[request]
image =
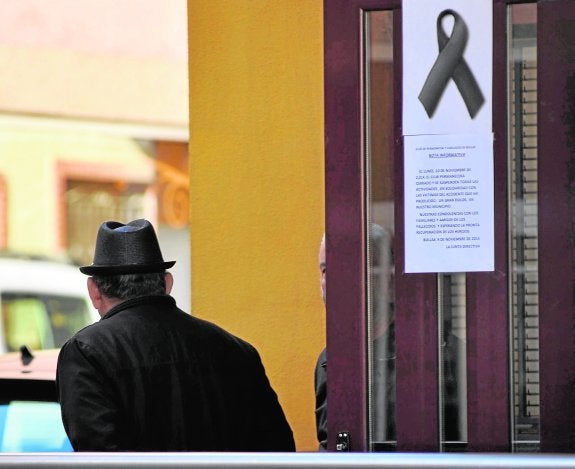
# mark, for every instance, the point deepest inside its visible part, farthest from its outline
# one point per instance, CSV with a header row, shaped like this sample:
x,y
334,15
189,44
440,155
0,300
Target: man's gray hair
x,y
128,286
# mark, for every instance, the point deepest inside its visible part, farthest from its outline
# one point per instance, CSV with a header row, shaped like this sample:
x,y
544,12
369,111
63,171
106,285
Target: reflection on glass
x,y
453,370
380,201
382,334
524,282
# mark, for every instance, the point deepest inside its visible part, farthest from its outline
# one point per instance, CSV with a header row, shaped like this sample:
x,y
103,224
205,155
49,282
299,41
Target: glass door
x,y
476,361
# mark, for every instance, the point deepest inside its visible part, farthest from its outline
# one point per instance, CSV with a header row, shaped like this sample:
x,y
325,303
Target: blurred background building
x,y
93,125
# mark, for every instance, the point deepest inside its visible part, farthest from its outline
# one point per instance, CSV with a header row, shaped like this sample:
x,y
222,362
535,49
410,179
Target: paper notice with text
x,y
449,203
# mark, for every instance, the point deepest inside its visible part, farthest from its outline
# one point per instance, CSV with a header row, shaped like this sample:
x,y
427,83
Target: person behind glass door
x,y
384,339
382,314
383,365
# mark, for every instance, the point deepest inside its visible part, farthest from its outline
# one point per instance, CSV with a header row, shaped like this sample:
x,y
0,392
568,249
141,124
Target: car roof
x,y
39,275
42,366
43,276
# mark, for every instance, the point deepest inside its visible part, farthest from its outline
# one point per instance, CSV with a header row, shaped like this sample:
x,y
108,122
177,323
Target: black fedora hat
x,y
126,249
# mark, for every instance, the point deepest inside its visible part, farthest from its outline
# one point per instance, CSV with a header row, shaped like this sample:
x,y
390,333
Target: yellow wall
x,y
256,185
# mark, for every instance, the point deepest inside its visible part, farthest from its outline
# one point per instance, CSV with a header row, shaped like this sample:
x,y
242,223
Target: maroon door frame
x,y
488,394
556,139
416,294
346,369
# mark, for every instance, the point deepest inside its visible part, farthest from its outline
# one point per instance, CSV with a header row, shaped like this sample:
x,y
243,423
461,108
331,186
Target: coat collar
x,y
155,300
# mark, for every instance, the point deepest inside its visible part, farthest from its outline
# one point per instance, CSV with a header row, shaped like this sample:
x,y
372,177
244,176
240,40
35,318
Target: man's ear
x,y
95,294
169,282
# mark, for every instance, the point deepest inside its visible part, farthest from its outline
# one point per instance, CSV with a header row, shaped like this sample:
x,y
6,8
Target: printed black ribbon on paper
x,y
451,64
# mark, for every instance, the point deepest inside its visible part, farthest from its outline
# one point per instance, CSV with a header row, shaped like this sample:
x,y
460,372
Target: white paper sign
x,y
447,66
449,203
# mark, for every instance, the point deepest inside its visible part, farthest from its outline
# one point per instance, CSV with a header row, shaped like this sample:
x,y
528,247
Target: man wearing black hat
x,y
149,377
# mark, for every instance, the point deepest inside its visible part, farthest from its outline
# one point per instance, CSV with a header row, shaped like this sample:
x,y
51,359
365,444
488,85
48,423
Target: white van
x,y
42,303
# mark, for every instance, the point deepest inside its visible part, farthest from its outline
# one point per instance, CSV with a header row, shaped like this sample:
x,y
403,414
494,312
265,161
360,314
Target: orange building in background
x,y
93,124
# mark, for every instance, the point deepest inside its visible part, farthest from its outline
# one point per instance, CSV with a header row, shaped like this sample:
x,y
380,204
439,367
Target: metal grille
x,y
89,204
524,247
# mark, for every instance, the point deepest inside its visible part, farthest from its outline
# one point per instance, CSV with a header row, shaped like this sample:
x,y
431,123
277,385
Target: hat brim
x,y
125,269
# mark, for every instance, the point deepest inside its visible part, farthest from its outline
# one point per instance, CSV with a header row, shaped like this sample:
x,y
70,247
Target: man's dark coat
x,y
149,377
320,381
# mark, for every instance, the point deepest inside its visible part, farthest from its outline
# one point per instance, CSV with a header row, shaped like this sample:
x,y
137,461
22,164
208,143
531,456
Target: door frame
x,y
416,294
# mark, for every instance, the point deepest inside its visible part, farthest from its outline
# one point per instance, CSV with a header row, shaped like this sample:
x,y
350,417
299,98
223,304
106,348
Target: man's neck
x,y
108,304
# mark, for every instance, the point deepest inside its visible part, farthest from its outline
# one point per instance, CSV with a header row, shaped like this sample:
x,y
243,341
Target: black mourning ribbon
x,y
451,64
